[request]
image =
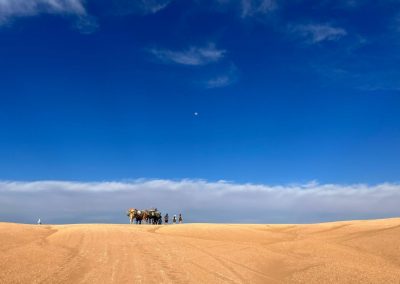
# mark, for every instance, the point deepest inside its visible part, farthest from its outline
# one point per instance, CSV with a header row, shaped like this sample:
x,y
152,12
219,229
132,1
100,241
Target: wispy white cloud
x,y
253,7
12,9
126,7
199,200
86,24
20,8
250,8
193,56
220,81
316,33
223,80
153,6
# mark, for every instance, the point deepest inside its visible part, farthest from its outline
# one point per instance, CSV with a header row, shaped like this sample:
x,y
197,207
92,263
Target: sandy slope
x,y
342,252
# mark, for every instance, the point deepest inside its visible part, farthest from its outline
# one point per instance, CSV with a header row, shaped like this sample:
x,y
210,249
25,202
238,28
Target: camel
x,y
154,216
139,216
151,216
131,214
146,216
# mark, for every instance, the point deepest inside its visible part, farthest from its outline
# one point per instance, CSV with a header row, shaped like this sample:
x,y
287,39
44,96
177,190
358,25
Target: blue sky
x,y
285,91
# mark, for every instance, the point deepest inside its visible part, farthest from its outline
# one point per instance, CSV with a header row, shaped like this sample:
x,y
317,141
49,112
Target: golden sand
x,y
340,252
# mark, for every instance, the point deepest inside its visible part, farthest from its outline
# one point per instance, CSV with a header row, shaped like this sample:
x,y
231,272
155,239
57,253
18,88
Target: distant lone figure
x,y
174,219
180,218
166,218
39,222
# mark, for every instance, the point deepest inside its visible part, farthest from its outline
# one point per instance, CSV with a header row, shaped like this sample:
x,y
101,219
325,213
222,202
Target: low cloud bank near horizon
x,y
198,200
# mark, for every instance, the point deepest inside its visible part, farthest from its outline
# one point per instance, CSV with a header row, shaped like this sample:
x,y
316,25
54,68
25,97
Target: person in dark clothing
x,y
180,218
166,218
174,219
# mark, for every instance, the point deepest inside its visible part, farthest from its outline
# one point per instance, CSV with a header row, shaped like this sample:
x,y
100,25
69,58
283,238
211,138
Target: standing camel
x,y
139,216
131,214
146,216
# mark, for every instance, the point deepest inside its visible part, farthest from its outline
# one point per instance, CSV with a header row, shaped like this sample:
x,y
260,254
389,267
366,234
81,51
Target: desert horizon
x,y
357,251
268,129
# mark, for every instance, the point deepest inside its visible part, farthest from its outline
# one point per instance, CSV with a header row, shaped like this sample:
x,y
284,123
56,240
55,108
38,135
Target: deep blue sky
x,y
286,91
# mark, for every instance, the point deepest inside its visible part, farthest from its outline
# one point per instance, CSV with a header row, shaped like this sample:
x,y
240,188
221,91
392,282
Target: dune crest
x,y
338,252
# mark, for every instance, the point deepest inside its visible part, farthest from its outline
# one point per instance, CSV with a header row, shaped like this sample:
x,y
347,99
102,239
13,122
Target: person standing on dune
x,y
180,218
174,219
166,218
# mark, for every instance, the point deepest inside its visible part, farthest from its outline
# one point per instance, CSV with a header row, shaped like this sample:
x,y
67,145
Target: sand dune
x,y
340,252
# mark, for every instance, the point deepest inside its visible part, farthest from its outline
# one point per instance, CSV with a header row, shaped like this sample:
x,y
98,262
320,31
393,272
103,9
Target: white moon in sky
x,y
196,113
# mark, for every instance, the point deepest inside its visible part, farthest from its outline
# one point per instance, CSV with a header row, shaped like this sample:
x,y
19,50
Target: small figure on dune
x,y
39,222
166,218
174,219
180,218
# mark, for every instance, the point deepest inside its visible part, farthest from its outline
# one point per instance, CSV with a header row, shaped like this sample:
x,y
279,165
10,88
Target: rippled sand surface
x,y
340,252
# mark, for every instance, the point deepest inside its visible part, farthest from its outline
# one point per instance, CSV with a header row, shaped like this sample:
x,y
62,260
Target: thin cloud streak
x,y
20,8
316,33
194,56
153,6
251,8
199,200
12,9
141,7
223,80
218,82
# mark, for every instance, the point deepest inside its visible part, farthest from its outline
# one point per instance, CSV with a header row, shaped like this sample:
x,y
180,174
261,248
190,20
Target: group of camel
x,y
151,216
